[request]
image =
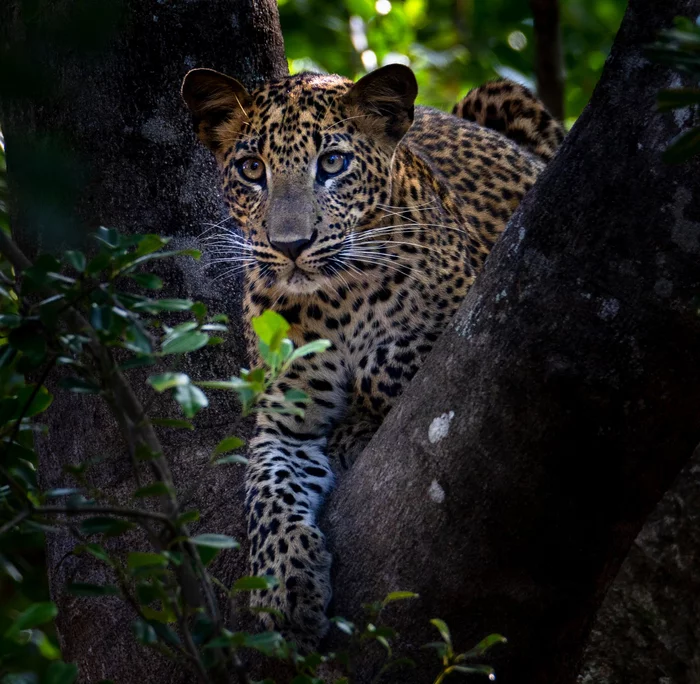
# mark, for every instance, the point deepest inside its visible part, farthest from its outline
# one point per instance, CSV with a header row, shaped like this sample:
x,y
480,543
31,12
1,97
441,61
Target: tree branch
x,y
549,65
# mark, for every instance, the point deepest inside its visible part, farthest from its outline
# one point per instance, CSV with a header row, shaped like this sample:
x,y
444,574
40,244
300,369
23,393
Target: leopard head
x,y
306,162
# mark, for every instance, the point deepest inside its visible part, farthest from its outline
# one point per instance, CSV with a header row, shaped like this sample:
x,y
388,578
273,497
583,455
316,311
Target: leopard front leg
x,y
287,479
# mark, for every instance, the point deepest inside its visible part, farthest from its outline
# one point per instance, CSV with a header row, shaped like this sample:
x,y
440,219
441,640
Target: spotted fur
x,y
514,111
375,258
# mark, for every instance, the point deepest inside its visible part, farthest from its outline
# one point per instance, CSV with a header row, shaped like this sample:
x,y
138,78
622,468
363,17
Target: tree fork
x,y
511,479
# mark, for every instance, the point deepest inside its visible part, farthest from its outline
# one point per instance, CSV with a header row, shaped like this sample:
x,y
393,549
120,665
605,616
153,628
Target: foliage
x,y
452,45
680,48
81,314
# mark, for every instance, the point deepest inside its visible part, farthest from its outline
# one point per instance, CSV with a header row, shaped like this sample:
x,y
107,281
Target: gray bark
x,y
512,478
648,629
96,132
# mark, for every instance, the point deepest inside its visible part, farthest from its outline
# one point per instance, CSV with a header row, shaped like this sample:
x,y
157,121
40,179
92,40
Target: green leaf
x,y
61,673
138,559
155,489
76,260
683,147
45,646
61,491
144,632
235,384
110,527
191,399
399,596
185,327
137,340
199,310
98,552
475,669
36,614
233,459
255,583
293,395
150,243
143,453
228,444
98,263
271,328
186,342
39,403
207,554
148,280
10,569
484,645
108,236
443,629
172,423
344,625
215,541
163,382
101,317
677,98
10,321
315,347
440,646
154,306
187,517
147,593
79,385
137,362
85,589
268,643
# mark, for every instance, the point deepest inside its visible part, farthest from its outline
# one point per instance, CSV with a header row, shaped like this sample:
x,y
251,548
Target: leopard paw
x,y
297,605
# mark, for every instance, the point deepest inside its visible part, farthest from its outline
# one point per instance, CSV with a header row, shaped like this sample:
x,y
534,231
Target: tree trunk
x,y
648,628
97,135
509,483
549,64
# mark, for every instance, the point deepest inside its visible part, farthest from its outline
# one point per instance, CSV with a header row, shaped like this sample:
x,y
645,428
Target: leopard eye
x,y
332,164
252,169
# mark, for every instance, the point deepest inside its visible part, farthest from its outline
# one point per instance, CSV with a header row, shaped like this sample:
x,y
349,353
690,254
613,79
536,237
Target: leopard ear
x,y
386,97
214,99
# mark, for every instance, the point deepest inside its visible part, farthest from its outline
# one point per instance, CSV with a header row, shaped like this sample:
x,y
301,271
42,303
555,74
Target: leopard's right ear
x,y
218,104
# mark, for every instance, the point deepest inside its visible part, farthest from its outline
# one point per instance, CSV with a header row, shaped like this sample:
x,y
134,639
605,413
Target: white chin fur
x,y
299,283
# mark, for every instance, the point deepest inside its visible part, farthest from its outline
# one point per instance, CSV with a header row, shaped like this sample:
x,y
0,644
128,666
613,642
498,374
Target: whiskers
x,y
227,247
357,254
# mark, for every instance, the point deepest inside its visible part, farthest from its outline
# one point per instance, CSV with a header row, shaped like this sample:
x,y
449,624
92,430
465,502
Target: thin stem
x,y
108,510
15,521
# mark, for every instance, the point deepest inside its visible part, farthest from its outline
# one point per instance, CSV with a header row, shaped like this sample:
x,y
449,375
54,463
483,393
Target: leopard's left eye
x,y
332,164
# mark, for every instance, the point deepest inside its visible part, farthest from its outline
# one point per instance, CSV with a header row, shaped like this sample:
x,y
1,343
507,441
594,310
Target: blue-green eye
x,y
331,164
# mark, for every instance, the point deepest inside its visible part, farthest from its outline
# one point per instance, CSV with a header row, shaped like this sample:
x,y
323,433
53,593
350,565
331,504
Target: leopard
x,y
363,219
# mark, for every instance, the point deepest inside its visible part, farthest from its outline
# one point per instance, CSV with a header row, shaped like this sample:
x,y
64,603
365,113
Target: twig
x,y
108,510
23,515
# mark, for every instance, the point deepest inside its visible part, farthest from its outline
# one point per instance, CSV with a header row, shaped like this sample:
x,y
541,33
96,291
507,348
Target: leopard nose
x,y
293,248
